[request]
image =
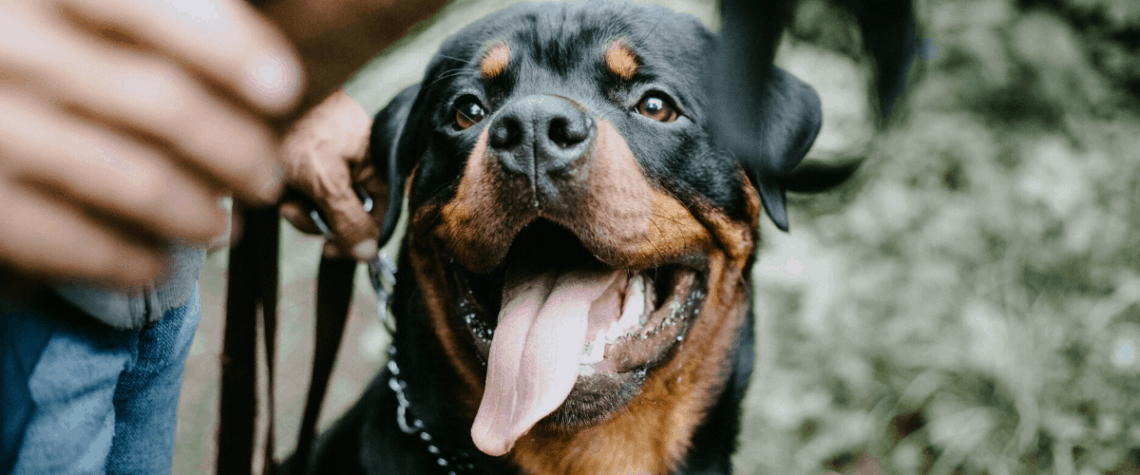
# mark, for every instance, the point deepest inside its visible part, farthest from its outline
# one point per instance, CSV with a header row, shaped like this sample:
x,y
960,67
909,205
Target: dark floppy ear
x,y
388,130
767,118
763,115
790,117
769,129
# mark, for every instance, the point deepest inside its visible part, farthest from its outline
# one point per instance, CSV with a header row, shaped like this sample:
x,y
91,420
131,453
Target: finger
x,y
376,187
43,238
356,232
298,216
226,40
332,251
237,224
228,237
328,185
155,98
103,171
318,153
144,93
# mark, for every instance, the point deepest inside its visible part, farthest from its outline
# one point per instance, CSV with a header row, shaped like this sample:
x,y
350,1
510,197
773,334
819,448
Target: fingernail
x,y
272,188
273,81
366,250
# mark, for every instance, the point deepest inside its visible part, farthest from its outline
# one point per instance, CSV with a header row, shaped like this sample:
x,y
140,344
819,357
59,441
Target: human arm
x,y
323,154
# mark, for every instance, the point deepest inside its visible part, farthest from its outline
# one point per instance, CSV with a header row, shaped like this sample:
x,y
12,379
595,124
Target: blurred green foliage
x,y
973,304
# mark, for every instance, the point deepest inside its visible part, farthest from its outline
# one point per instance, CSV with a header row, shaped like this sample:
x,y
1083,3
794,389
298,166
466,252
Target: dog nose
x,y
542,138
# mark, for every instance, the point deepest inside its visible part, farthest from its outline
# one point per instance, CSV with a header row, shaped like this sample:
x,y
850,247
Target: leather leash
x,y
252,286
334,295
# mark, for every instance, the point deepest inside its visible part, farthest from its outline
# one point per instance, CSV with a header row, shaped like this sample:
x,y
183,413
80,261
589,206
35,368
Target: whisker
x,y
453,58
446,75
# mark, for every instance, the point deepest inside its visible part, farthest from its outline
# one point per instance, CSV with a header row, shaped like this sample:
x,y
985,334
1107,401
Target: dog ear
x,y
388,150
790,116
769,132
767,118
763,115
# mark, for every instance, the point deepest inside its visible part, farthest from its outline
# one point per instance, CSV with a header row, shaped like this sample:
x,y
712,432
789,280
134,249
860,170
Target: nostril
x,y
505,133
567,133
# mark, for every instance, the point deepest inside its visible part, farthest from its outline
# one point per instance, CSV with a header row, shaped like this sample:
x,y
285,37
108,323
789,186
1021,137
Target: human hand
x,y
122,124
323,156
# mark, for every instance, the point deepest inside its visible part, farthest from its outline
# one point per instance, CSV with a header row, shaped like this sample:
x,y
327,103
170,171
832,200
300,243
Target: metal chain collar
x,y
455,463
382,273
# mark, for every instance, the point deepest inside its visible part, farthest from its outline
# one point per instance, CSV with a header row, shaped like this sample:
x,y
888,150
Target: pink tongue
x,y
534,356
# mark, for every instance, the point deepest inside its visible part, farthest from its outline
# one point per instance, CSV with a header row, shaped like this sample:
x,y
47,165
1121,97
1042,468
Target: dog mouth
x,y
566,338
630,326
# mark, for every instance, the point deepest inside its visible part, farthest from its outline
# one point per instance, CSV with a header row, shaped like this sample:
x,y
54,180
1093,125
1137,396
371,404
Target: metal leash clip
x,y
381,269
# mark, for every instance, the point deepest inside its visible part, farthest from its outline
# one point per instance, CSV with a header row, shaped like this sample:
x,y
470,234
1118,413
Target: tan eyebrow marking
x,y
621,59
495,60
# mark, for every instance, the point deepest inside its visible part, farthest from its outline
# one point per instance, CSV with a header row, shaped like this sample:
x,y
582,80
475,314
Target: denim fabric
x,y
23,337
100,400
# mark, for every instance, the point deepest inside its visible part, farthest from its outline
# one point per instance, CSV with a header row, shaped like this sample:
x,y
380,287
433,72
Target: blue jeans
x,y
78,398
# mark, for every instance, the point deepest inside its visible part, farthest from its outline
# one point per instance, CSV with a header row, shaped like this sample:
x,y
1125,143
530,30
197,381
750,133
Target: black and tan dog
x,y
573,293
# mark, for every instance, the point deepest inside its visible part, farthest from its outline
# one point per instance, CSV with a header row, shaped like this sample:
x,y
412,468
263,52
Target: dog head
x,y
580,246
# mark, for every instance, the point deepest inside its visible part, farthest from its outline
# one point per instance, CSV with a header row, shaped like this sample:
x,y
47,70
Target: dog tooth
x,y
613,332
634,304
597,349
650,297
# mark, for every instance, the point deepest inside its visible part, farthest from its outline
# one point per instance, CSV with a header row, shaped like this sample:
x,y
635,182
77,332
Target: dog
x,y
573,292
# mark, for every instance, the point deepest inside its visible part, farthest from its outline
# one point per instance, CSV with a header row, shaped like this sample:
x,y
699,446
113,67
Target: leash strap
x,y
268,250
334,296
252,285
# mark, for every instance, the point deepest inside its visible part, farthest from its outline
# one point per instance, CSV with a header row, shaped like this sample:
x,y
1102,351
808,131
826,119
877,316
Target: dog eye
x,y
658,108
468,112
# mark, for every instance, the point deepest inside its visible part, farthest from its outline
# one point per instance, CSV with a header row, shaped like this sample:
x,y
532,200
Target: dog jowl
x,y
574,287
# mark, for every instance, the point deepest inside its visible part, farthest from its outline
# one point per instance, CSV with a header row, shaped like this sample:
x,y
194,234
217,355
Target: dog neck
x,y
455,462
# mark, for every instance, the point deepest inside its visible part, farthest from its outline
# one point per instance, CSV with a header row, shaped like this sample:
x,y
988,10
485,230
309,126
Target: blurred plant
x,y
975,308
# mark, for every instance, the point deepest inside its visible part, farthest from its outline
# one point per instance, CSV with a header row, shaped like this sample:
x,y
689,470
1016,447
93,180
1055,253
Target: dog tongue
x,y
534,356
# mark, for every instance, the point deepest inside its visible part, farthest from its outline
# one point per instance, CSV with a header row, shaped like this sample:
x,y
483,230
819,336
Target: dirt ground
x,y
970,303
